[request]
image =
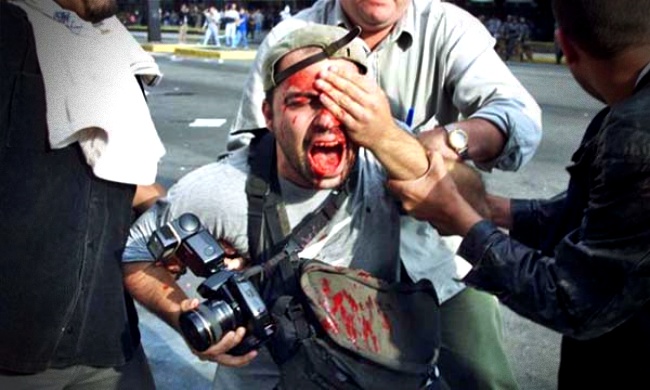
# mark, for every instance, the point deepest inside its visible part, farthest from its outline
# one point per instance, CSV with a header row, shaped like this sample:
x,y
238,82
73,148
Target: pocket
x,y
395,325
27,114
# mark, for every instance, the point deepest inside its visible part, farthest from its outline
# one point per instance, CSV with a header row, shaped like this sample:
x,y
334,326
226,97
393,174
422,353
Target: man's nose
x,y
325,120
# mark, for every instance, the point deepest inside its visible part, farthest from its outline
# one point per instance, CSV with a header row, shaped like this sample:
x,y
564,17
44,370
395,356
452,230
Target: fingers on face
x,y
356,80
339,112
343,106
342,89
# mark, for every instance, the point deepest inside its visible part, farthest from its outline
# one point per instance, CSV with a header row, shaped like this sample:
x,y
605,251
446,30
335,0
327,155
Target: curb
x,y
541,59
200,52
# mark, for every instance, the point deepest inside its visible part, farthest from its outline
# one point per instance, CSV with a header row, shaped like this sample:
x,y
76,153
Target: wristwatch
x,y
458,140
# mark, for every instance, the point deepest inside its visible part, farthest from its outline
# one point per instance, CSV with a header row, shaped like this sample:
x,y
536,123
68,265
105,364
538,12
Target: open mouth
x,y
326,156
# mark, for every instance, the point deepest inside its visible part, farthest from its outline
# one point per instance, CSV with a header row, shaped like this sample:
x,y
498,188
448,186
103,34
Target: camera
x,y
192,244
231,299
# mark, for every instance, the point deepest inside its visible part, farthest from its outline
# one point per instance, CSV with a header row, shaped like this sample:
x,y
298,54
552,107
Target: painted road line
x,y
208,122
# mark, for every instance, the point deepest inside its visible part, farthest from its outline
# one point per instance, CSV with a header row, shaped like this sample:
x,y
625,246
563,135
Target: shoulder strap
x,y
268,224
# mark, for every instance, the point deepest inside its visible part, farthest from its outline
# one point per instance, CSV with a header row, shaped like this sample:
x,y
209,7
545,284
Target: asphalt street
x,y
193,108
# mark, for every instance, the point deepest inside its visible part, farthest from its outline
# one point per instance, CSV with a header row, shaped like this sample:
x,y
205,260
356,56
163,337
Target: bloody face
x,y
313,149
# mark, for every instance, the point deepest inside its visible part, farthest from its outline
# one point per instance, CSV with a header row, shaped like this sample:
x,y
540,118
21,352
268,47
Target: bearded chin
x,y
98,10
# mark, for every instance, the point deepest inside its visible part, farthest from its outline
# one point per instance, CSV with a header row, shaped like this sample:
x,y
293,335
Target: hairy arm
x,y
146,195
444,196
503,119
156,289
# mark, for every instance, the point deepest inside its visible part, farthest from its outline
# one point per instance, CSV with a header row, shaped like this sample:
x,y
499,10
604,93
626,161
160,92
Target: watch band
x,y
454,131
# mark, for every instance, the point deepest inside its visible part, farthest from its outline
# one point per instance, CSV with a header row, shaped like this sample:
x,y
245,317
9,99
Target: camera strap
x,y
268,224
269,237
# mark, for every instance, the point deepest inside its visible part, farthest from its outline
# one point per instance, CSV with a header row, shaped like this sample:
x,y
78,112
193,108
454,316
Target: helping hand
x,y
217,353
232,261
435,140
435,198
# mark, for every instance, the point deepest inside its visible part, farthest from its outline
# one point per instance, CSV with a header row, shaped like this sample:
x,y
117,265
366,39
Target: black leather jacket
x,y
580,263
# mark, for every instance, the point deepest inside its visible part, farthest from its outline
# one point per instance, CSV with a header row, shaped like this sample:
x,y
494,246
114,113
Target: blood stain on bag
x,y
356,317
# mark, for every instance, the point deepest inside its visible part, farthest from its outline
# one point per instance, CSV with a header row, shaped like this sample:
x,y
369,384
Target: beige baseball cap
x,y
336,42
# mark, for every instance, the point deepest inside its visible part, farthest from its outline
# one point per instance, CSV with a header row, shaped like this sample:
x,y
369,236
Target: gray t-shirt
x,y
363,234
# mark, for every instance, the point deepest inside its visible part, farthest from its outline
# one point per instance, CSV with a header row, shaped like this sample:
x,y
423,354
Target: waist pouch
x,y
344,329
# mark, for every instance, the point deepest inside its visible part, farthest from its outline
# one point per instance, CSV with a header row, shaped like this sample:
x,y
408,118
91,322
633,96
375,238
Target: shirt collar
x,y
339,17
404,29
643,74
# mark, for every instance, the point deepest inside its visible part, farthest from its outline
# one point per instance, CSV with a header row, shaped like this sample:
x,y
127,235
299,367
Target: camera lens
x,y
205,325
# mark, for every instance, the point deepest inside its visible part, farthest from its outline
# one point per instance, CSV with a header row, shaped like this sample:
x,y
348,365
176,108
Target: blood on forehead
x,y
304,79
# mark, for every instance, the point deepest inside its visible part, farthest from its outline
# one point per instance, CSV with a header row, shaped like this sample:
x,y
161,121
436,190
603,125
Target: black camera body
x,y
194,246
231,299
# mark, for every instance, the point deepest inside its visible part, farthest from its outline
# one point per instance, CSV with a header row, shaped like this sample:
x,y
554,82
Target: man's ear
x,y
268,115
571,53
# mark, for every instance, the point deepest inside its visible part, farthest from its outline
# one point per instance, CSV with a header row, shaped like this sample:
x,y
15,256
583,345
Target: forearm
x,y
146,195
402,155
500,212
540,223
485,89
471,187
521,126
559,292
156,289
485,140
460,216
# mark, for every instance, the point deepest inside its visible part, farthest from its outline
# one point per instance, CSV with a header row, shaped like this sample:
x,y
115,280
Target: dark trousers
x,y
135,374
472,356
616,360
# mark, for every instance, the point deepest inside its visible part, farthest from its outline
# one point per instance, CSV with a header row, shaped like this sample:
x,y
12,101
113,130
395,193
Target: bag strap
x,y
268,224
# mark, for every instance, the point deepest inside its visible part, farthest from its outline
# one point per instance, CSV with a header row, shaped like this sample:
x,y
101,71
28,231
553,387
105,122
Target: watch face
x,y
458,139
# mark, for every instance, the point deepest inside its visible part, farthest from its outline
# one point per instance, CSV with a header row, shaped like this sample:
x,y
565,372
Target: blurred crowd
x,y
513,36
234,25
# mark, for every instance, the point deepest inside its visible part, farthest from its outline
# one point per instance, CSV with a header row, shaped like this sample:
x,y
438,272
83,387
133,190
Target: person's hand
x,y
232,261
436,140
173,265
359,103
218,353
500,210
435,198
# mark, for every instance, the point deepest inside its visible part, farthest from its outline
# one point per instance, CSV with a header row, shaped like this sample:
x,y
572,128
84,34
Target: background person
x,y
231,18
577,263
183,22
241,36
258,21
79,139
212,23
